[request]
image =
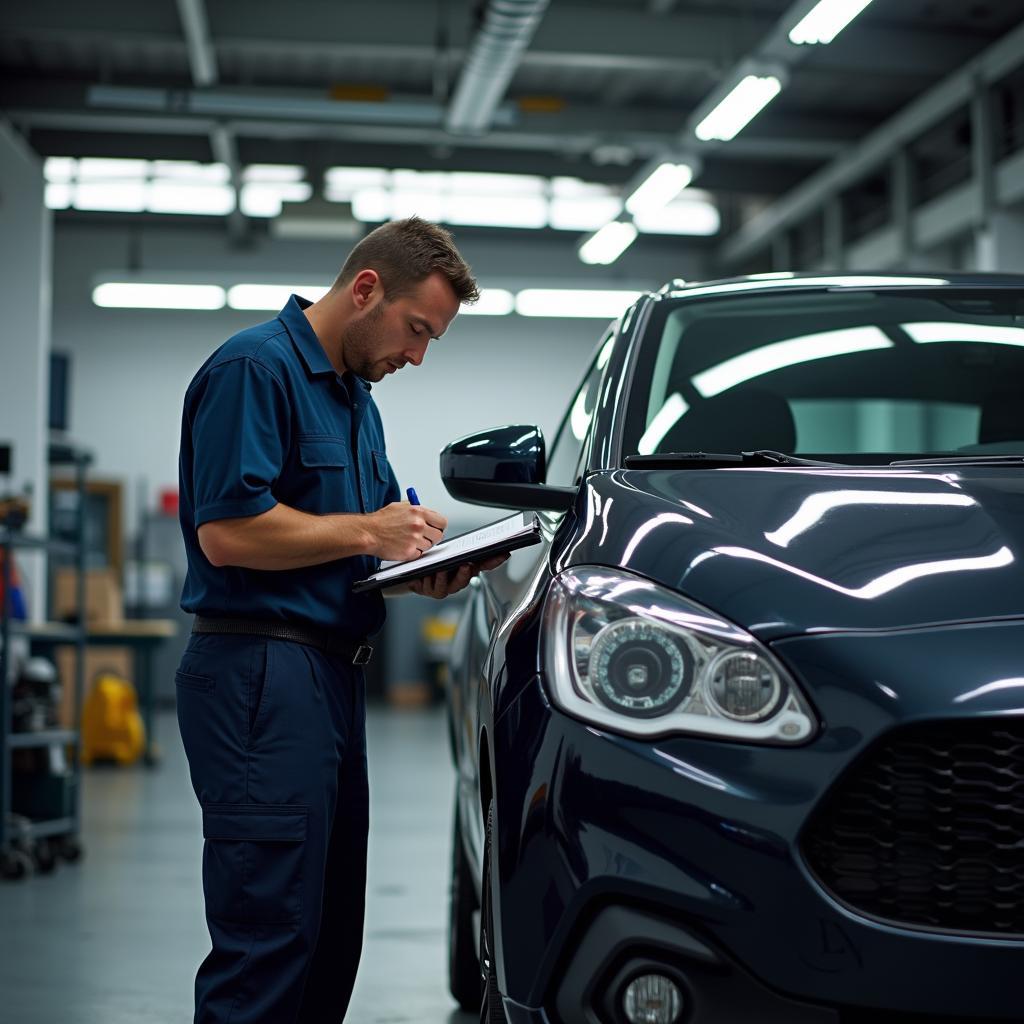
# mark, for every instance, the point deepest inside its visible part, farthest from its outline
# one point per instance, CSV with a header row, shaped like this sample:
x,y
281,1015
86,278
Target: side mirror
x,y
503,467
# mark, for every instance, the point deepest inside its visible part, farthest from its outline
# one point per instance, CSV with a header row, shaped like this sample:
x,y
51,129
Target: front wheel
x,y
463,937
491,1010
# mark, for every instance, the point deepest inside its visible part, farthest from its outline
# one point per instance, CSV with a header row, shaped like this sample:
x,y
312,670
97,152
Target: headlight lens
x,y
622,652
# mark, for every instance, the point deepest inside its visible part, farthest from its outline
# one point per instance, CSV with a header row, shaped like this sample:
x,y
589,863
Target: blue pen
x,y
413,498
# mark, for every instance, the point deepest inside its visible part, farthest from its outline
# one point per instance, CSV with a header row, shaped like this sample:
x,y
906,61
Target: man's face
x,y
389,335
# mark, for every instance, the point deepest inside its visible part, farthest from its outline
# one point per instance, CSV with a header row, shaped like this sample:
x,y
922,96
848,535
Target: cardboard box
x,y
117,660
104,600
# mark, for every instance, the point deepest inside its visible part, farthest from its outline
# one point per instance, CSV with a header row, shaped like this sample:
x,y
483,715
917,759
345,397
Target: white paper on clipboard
x,y
516,531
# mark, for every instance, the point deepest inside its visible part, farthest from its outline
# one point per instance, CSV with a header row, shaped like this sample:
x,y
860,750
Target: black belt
x,y
358,652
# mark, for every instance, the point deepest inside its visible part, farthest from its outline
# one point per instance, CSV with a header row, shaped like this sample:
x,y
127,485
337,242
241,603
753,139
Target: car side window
x,y
564,456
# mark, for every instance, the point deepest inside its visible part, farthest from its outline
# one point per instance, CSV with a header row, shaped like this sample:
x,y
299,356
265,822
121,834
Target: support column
x,y
999,246
902,206
25,255
983,162
782,252
835,242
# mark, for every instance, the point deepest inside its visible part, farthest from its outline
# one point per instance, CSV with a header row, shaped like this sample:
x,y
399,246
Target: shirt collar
x,y
306,342
304,337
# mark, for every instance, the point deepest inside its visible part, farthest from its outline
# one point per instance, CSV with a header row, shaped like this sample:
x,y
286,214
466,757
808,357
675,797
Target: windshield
x,y
852,376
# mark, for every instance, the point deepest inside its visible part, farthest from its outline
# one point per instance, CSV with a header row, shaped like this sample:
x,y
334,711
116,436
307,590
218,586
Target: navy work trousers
x,y
275,735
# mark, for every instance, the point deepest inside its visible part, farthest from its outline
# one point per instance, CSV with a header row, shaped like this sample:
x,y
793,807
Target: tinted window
x,y
565,456
854,374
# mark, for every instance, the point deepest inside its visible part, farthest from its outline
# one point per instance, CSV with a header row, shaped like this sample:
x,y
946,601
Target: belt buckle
x,y
363,654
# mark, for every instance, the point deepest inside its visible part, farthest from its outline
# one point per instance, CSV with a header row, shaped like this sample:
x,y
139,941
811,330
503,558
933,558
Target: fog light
x,y
652,999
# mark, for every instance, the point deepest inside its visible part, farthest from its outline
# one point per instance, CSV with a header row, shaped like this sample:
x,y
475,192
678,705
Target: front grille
x,y
927,829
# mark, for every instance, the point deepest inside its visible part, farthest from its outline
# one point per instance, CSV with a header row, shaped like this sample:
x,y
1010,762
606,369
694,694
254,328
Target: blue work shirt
x,y
268,419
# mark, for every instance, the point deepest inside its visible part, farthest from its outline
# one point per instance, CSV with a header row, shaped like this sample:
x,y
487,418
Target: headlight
x,y
622,652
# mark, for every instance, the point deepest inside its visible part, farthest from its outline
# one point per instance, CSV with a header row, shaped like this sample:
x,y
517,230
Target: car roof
x,y
781,282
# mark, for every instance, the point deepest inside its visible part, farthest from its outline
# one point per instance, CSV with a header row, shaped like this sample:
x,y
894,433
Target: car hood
x,y
784,551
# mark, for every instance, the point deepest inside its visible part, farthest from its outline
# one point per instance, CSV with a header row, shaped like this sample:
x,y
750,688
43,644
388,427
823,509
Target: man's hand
x,y
446,582
402,531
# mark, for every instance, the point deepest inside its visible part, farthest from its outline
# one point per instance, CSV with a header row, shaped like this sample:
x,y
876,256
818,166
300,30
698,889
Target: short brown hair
x,y
405,252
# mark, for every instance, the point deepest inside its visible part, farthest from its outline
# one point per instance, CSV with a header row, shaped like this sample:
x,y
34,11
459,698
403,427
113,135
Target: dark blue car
x,y
743,739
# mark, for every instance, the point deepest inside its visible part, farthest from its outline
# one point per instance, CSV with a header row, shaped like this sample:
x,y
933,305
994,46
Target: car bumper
x,y
700,839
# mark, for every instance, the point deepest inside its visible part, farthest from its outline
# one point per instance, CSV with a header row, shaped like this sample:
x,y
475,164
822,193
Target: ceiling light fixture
x,y
141,295
683,217
659,188
608,244
825,21
750,96
573,302
492,302
272,296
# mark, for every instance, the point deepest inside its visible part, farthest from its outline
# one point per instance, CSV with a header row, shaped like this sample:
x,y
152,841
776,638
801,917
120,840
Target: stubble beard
x,y
360,344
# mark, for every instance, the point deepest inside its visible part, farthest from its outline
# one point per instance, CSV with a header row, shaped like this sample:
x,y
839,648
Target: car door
x,y
479,669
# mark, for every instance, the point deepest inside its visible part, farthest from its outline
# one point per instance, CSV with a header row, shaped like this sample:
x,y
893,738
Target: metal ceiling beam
x,y
722,176
201,57
401,30
505,34
878,148
579,130
203,64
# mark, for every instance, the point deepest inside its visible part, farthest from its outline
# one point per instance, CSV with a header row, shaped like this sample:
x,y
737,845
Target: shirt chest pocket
x,y
325,481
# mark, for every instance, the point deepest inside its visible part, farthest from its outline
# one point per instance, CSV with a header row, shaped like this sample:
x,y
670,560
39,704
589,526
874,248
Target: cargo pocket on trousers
x,y
253,862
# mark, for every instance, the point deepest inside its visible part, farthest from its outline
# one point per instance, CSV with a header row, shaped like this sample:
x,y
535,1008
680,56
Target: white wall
x,y
130,368
25,236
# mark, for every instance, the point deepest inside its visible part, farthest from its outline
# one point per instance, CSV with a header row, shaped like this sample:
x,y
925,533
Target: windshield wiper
x,y
716,460
963,460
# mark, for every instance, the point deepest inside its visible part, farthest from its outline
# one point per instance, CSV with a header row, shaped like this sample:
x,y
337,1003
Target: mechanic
x,y
287,498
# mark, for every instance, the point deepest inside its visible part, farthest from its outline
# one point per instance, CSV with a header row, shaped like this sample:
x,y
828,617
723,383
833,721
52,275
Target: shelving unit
x,y
35,844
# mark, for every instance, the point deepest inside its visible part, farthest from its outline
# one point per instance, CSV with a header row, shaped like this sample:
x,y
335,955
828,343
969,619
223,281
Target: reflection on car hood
x,y
785,551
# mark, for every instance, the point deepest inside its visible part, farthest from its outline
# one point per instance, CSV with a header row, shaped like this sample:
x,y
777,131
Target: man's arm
x,y
285,538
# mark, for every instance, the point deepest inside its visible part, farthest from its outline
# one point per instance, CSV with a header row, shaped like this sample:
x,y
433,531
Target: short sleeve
x,y
240,422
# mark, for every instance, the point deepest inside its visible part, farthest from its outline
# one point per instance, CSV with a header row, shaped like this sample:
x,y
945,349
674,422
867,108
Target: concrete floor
x,y
116,938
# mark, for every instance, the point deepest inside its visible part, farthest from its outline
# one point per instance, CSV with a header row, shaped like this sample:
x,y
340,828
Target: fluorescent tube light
x,y
826,20
660,187
60,169
780,354
265,198
946,331
683,217
739,108
272,296
58,195
572,302
191,170
91,168
492,302
138,295
582,213
608,244
122,196
508,211
665,419
169,196
273,172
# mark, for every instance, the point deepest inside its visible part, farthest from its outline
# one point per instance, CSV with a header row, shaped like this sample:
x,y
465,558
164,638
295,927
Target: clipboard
x,y
517,531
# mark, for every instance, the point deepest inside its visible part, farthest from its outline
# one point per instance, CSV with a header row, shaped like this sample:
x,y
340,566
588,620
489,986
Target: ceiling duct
x,y
491,61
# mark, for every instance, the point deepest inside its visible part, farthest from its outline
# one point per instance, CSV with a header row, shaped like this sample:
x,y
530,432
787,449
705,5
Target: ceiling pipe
x,y
507,29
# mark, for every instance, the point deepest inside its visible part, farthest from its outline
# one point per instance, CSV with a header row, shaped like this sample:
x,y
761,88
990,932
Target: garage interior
x,y
171,171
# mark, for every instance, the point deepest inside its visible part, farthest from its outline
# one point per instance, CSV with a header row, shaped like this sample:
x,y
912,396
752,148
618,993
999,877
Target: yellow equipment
x,y
112,728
